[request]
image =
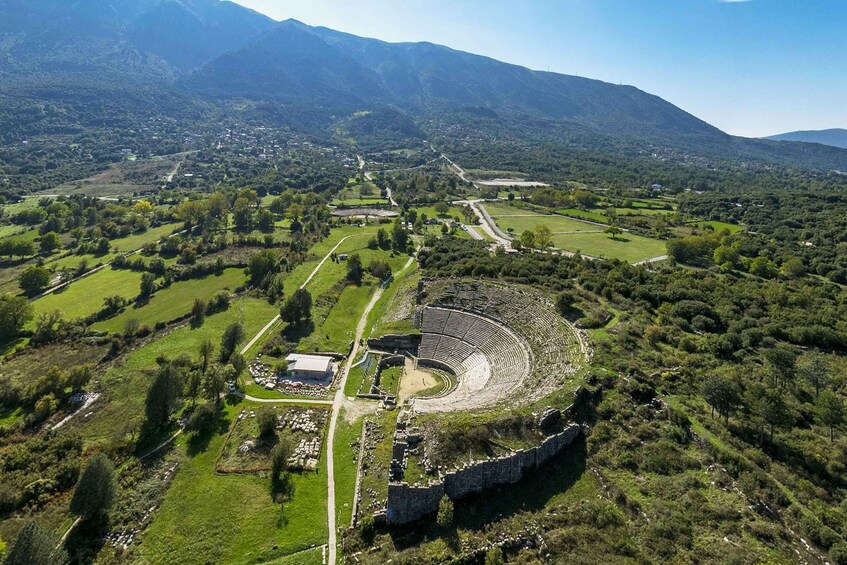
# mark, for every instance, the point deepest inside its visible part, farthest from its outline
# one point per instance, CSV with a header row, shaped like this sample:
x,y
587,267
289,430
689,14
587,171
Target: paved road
x,y
339,402
487,223
473,233
369,177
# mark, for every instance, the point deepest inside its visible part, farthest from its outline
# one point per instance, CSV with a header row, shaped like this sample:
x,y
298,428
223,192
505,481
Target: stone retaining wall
x,y
407,503
392,343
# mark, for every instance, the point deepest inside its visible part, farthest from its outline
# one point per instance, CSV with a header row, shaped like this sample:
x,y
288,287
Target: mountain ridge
x,y
833,137
315,78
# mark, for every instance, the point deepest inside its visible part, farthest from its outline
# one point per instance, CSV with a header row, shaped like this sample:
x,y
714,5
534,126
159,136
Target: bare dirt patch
x,y
415,380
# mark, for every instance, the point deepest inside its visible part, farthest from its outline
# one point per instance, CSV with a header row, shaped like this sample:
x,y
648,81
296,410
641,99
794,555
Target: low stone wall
x,y
385,361
392,343
407,503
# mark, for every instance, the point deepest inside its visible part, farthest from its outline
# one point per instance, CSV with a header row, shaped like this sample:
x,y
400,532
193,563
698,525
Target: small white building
x,y
315,367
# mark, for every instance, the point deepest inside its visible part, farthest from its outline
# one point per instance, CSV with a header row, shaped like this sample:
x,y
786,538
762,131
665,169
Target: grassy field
x,y
430,212
590,215
352,196
11,230
174,301
85,296
717,226
389,380
394,313
359,201
137,241
627,247
125,384
573,235
209,518
346,456
336,327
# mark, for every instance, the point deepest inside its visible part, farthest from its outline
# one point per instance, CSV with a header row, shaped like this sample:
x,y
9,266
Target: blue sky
x,y
753,68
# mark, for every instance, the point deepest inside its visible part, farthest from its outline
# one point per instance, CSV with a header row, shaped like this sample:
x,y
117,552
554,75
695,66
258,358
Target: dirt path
x,y
340,401
414,380
276,318
333,423
282,400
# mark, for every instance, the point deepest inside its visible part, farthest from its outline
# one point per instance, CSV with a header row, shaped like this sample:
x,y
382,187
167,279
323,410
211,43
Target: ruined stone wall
x,y
407,503
385,361
392,343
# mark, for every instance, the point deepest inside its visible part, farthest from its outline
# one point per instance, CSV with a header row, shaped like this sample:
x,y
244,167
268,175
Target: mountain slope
x,y
290,65
188,33
307,65
428,74
155,37
833,137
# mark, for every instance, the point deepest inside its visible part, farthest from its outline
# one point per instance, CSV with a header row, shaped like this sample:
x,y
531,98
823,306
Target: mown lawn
x,y
573,235
388,315
627,247
210,518
430,212
589,215
85,296
359,201
174,301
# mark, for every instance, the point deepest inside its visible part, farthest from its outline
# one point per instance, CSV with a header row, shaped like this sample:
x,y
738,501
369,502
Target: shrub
x,y
445,517
266,419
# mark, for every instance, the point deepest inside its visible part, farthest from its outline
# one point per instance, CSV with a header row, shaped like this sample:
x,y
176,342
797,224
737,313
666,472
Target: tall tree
x,y
355,271
260,266
34,280
445,517
242,215
198,313
782,362
543,237
148,285
813,367
399,236
722,394
297,308
206,351
772,409
233,335
35,545
279,466
163,394
830,409
214,383
15,312
50,242
95,490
